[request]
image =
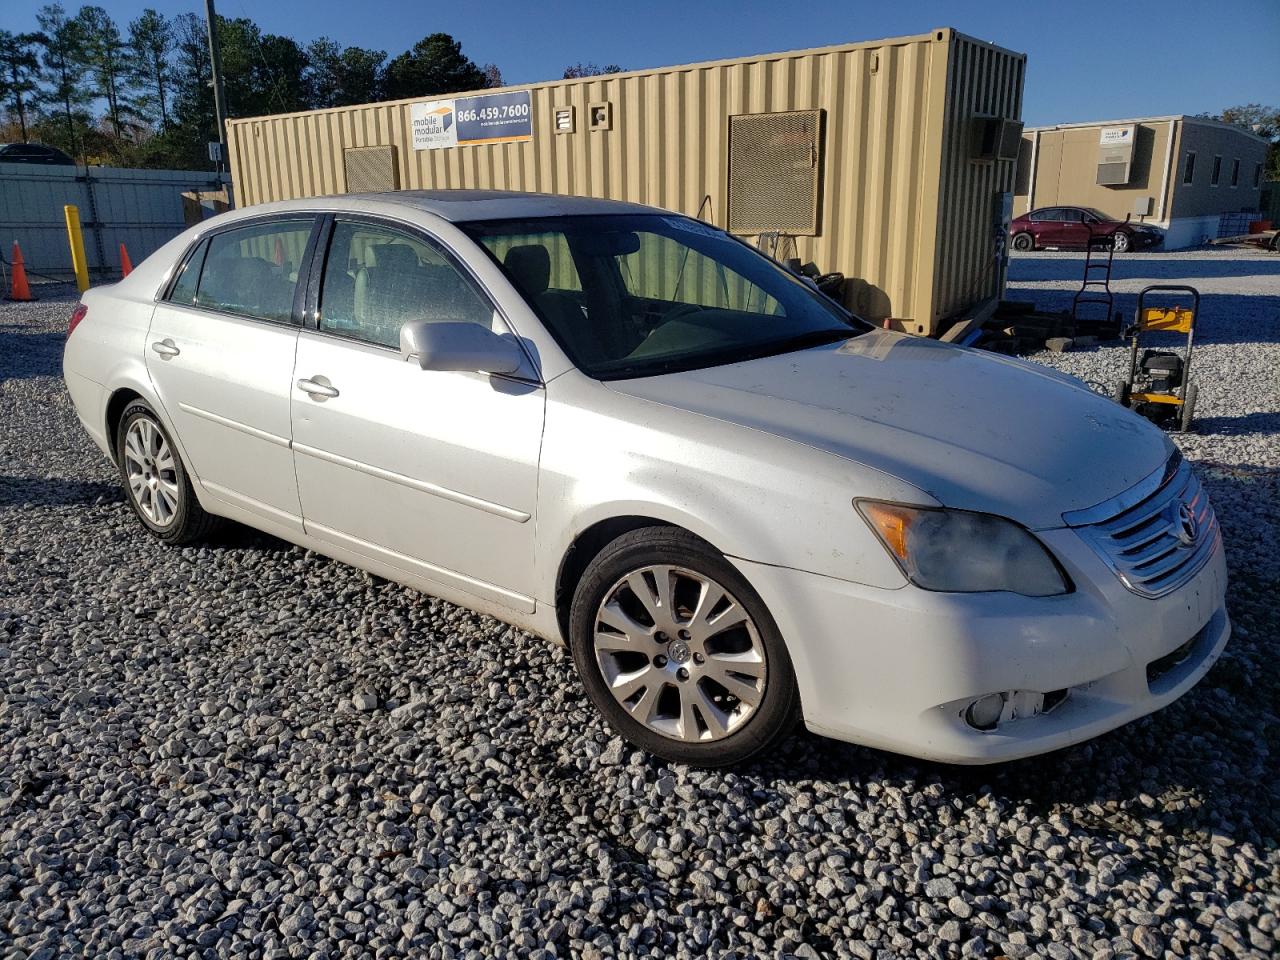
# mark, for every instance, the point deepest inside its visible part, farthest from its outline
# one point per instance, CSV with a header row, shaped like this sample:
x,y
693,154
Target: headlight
x,y
962,552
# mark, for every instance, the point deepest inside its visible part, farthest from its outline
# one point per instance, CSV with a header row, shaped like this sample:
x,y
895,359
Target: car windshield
x,y
640,295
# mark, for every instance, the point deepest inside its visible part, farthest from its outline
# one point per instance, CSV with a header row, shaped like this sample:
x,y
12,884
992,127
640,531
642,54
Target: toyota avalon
x,y
625,430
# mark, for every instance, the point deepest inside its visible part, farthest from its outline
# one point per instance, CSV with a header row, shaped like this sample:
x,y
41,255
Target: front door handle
x,y
166,348
318,388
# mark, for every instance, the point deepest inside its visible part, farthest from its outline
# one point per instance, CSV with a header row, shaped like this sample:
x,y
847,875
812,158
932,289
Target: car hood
x,y
973,430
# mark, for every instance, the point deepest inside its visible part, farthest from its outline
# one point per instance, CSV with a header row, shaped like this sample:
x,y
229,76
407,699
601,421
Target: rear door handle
x,y
315,388
166,348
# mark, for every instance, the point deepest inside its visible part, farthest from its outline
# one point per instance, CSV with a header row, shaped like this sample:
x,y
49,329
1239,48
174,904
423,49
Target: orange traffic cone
x,y
18,289
126,266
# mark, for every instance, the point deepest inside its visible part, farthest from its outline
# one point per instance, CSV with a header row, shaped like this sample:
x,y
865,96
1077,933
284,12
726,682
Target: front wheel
x,y
155,479
1023,241
1120,241
679,653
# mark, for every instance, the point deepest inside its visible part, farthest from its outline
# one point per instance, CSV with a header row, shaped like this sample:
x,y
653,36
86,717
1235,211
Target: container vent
x,y
775,172
371,169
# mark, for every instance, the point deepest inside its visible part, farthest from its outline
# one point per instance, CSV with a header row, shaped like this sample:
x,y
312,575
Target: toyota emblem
x,y
1187,528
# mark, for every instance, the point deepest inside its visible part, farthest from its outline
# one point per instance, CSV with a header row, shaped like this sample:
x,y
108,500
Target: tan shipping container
x,y
905,204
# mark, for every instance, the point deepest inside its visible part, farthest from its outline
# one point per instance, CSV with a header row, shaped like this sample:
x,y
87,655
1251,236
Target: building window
x,y
1235,172
1217,171
1257,176
1189,173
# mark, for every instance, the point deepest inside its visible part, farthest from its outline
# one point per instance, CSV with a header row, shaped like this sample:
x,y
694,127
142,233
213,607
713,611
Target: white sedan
x,y
625,430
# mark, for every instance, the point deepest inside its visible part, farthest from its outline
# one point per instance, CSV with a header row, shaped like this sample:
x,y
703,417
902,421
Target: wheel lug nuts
x,y
660,637
682,673
684,634
659,661
699,658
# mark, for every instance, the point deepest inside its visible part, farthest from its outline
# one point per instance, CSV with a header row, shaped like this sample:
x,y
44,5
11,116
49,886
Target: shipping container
x,y
890,161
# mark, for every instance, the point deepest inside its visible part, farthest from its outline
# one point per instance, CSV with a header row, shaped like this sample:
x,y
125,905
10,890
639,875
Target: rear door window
x,y
252,271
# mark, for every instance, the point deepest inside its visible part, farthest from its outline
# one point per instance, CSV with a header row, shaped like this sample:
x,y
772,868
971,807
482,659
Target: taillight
x,y
77,315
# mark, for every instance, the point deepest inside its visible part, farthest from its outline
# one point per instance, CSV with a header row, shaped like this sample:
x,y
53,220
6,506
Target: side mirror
x,y
458,345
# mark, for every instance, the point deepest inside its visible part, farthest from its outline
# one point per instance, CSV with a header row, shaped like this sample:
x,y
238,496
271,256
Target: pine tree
x,y
66,90
19,72
104,52
151,44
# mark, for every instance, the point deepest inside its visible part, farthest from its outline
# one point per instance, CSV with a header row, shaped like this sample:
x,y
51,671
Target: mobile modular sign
x,y
462,121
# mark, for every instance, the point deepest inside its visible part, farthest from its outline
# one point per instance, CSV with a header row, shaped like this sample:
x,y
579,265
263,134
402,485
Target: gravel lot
x,y
247,750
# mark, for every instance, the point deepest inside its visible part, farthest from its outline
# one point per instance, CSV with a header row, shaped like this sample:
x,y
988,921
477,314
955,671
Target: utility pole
x,y
219,95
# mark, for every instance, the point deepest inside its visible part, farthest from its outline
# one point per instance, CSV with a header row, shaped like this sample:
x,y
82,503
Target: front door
x,y
220,352
434,473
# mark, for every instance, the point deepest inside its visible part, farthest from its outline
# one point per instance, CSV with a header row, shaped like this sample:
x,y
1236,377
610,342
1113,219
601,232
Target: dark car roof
x,y
34,153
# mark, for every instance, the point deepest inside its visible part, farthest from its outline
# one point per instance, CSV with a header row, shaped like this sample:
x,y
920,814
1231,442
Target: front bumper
x,y
896,669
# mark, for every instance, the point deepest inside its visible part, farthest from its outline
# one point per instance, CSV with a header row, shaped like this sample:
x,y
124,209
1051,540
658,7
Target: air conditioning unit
x,y
995,138
1115,155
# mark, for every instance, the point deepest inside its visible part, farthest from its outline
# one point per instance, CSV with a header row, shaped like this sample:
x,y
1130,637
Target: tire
x,y
1188,408
660,691
1024,241
1121,242
155,479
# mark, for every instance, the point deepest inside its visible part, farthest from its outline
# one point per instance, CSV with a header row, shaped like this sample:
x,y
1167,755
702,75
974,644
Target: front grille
x,y
1157,536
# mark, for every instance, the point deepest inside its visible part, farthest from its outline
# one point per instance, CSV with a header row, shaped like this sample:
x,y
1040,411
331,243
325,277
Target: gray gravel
x,y
246,750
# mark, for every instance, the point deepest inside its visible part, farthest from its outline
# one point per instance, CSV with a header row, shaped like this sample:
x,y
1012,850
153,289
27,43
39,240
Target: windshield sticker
x,y
693,226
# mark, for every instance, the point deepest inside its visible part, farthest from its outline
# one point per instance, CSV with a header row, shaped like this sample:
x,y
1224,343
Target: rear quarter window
x,y
184,287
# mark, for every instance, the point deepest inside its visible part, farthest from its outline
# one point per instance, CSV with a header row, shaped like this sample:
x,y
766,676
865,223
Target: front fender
x,y
752,495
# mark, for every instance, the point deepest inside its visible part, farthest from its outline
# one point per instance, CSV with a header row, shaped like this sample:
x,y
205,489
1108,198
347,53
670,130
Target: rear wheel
x,y
155,479
678,653
1023,241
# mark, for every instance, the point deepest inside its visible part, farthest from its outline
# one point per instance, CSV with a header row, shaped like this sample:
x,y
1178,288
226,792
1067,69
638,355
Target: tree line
x,y
141,95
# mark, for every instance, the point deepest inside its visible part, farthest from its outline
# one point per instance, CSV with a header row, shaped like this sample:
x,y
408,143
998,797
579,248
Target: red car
x,y
1064,227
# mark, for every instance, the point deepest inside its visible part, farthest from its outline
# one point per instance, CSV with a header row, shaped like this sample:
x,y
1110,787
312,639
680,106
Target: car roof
x,y
460,206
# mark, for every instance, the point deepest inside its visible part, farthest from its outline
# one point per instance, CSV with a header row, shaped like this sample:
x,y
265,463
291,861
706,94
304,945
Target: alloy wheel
x,y
680,653
152,472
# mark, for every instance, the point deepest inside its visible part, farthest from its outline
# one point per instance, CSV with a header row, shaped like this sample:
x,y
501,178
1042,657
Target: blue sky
x,y
1088,60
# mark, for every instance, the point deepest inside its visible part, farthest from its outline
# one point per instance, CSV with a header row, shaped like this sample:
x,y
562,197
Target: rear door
x,y
220,352
434,473
1046,224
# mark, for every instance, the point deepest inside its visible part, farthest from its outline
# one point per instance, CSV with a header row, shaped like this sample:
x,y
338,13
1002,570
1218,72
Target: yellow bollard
x,y
76,239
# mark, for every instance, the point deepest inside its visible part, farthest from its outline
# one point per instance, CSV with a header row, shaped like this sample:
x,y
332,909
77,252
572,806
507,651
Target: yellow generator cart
x,y
1159,384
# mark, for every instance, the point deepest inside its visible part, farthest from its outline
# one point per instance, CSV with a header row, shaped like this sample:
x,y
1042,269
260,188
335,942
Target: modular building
x,y
890,161
1178,173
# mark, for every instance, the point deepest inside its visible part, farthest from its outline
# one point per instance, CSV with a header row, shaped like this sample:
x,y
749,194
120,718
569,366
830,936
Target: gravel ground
x,y
247,750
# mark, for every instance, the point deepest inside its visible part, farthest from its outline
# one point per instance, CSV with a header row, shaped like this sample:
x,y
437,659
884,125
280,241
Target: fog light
x,y
984,713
